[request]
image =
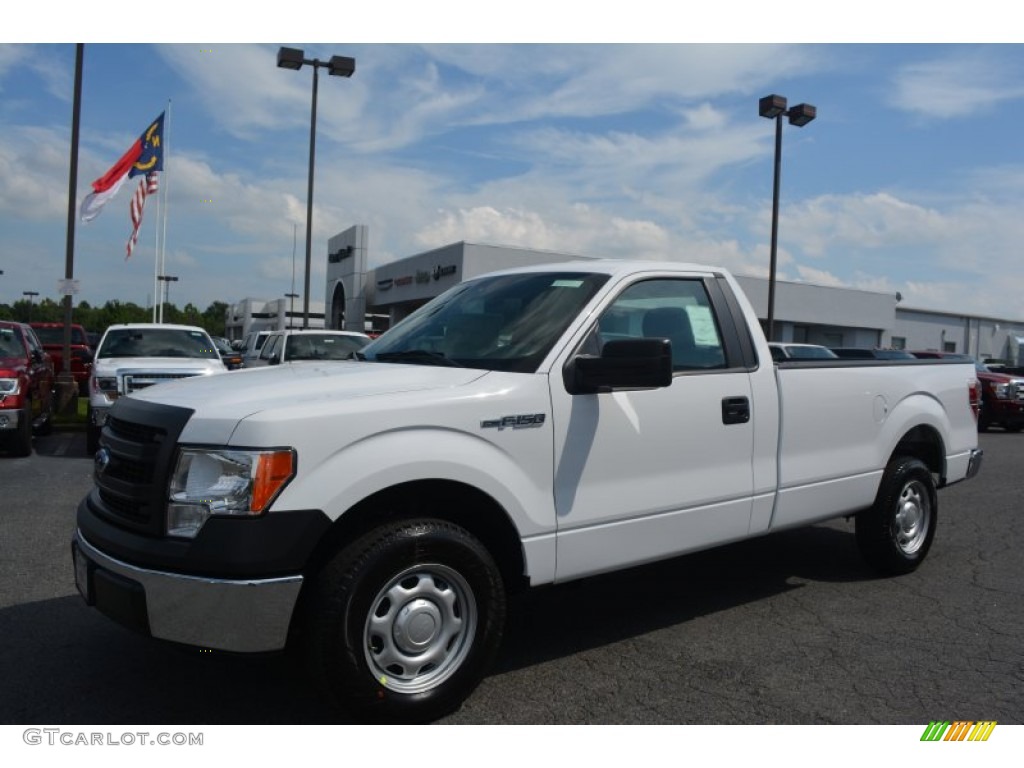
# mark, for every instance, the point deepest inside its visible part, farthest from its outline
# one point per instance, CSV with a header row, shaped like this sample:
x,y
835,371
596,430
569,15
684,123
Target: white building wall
x,y
981,337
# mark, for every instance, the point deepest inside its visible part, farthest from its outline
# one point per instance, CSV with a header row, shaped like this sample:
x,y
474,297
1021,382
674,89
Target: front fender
x,y
392,458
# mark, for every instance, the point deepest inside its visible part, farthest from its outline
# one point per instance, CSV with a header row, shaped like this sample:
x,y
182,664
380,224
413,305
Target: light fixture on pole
x,y
166,280
31,295
774,108
339,66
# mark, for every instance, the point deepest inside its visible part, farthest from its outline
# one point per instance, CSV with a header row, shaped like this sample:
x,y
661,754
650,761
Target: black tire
x,y
895,534
45,427
22,440
403,623
984,419
1016,427
92,434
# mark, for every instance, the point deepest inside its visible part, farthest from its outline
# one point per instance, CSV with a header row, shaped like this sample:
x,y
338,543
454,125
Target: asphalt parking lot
x,y
791,628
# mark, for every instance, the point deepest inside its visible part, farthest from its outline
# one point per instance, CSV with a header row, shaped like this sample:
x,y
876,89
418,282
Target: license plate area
x,y
83,575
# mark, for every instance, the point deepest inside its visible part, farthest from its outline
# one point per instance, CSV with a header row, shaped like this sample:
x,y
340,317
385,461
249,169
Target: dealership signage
x,y
422,277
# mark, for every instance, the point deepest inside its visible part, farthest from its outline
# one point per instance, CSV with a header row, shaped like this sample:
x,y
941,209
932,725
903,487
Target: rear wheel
x,y
895,534
403,623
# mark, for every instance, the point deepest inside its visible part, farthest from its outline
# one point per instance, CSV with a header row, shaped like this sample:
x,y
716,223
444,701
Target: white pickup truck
x,y
527,427
132,356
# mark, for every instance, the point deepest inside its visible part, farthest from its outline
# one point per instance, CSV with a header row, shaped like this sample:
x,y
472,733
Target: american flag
x,y
147,186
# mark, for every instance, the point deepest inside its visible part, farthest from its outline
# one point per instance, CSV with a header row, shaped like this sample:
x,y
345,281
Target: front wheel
x,y
23,437
895,534
92,434
403,623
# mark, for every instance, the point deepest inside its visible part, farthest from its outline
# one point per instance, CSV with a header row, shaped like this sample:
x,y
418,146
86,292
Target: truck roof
x,y
612,267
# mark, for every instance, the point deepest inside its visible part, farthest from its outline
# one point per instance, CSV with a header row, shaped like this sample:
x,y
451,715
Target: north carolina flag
x,y
145,156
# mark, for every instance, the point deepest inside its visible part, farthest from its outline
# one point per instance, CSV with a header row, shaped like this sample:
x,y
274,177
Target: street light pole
x,y
166,280
31,295
774,107
342,66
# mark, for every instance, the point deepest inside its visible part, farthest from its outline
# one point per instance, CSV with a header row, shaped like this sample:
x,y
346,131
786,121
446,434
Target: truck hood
x,y
111,365
233,396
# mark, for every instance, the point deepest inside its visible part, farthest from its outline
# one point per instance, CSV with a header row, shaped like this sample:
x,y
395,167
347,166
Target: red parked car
x,y
52,337
26,388
1002,395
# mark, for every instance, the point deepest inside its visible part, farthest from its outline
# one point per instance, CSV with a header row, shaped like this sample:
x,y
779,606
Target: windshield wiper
x,y
417,356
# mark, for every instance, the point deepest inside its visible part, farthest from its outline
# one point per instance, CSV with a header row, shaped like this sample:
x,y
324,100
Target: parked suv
x,y
52,337
1002,395
133,356
26,387
252,345
872,353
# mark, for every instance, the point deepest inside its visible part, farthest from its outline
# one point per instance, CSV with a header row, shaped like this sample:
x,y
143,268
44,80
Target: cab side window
x,y
675,309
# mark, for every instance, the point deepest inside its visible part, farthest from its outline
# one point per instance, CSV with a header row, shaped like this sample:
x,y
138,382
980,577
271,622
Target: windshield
x,y
157,342
10,345
500,323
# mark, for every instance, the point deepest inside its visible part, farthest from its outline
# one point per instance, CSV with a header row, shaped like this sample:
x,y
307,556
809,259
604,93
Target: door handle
x,y
735,410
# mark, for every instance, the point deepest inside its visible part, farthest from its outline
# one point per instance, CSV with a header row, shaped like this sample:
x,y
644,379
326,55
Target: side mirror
x,y
623,364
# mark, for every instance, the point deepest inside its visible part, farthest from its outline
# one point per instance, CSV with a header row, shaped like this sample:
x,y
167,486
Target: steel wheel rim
x,y
419,628
913,517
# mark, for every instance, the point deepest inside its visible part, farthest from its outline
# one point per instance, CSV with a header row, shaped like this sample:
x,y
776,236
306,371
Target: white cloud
x,y
962,85
33,173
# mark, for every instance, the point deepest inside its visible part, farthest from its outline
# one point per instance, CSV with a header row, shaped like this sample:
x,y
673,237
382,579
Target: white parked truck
x,y
133,356
527,427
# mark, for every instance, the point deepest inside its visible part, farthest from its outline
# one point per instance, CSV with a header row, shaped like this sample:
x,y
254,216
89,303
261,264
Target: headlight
x,y
1002,391
209,482
107,385
9,387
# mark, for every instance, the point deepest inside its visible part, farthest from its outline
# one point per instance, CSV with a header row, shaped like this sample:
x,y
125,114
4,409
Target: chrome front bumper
x,y
243,616
9,418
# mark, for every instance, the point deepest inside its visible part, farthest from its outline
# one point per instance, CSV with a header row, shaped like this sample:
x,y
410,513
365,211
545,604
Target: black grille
x,y
124,508
135,462
139,433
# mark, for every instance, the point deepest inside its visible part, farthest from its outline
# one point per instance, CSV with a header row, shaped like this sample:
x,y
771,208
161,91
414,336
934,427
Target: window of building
x,y
949,346
899,342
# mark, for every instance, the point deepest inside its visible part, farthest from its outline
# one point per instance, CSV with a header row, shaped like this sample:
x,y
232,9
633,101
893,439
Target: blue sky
x,y
910,180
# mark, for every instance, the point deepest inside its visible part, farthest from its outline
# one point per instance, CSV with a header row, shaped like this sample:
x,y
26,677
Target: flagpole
x,y
166,205
156,258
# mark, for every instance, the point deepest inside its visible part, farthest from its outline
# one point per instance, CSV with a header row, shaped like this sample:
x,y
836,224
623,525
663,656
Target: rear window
x,y
54,335
315,346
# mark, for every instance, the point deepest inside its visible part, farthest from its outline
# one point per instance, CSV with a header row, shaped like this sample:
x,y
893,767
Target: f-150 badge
x,y
522,421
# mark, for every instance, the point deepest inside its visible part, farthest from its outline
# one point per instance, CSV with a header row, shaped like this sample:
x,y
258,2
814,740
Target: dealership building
x,y
357,298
